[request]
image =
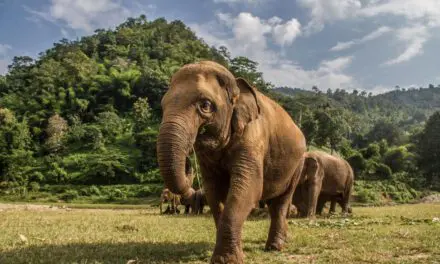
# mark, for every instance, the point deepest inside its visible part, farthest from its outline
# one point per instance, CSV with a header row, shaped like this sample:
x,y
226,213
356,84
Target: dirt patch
x,y
28,207
433,198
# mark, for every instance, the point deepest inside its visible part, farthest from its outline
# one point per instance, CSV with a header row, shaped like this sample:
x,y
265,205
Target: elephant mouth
x,y
208,138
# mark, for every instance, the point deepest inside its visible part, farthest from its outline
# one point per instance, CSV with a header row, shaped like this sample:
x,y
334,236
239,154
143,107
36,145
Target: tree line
x,y
87,112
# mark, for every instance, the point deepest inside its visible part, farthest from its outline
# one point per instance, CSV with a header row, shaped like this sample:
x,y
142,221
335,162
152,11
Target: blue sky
x,y
371,45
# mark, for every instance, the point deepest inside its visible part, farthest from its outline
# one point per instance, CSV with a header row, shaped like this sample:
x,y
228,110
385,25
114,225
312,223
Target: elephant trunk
x,y
173,146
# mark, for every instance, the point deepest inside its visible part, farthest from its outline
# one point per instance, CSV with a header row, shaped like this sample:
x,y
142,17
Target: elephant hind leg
x,y
344,203
278,210
320,206
333,206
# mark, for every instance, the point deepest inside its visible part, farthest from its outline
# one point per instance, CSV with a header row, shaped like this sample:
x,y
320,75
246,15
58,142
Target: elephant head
x,y
204,106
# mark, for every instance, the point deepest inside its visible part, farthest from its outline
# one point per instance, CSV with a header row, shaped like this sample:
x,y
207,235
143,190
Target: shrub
x,y
110,125
36,176
69,195
146,142
93,190
144,192
358,163
383,171
116,194
93,137
371,152
34,186
368,196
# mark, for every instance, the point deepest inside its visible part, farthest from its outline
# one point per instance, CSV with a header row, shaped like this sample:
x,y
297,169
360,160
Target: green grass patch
x,y
392,234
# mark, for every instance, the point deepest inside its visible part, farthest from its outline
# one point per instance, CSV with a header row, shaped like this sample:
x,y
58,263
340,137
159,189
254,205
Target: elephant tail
x,y
349,182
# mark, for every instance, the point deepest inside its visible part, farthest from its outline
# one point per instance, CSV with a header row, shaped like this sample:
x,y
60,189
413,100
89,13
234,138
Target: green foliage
x,y
386,130
383,171
400,159
428,149
142,114
368,196
358,163
381,192
88,111
34,186
371,152
69,195
16,159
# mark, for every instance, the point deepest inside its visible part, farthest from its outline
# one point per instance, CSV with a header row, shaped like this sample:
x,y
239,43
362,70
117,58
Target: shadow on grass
x,y
110,253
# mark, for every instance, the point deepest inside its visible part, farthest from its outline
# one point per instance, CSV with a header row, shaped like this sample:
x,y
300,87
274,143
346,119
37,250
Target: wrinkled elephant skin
x,y
247,146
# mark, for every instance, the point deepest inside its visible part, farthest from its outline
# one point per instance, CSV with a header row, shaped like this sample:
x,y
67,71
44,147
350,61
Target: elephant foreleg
x,y
314,189
243,193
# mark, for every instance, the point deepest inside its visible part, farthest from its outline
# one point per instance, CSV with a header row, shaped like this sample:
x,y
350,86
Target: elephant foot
x,y
276,244
229,258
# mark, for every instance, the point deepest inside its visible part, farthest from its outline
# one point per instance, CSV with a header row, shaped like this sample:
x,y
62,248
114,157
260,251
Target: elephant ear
x,y
246,107
311,167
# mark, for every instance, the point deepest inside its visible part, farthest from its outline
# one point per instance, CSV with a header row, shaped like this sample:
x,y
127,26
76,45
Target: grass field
x,y
394,234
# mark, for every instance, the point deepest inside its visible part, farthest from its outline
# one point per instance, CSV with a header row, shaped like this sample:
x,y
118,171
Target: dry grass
x,y
397,234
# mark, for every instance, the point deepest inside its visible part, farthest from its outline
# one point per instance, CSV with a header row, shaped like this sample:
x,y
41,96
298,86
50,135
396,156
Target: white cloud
x,y
378,89
425,14
373,35
414,39
235,1
250,30
65,33
325,11
3,66
250,38
87,15
285,34
329,74
4,49
413,10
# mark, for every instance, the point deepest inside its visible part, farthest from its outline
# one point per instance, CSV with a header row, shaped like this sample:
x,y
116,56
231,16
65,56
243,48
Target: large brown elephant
x,y
247,146
324,178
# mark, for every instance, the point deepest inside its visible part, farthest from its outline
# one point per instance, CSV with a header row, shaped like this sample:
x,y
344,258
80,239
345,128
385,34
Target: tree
x,y
55,131
428,148
248,69
15,152
141,114
385,130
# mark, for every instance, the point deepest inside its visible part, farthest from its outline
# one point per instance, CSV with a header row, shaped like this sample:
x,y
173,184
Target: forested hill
x,y
87,111
421,98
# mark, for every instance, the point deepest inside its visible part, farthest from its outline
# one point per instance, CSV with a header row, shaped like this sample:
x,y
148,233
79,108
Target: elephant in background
x,y
200,201
247,145
324,178
174,200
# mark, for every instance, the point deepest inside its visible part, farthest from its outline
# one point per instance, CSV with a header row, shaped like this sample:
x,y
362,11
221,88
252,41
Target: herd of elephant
x,y
325,178
250,152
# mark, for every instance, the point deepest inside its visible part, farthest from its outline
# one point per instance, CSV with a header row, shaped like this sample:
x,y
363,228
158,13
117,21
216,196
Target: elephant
x,y
324,178
174,200
200,202
247,145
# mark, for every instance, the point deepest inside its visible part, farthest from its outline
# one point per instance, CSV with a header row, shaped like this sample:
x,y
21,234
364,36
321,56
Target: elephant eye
x,y
206,106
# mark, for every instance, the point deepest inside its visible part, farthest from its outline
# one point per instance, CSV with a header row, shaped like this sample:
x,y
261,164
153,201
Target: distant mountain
x,y
422,98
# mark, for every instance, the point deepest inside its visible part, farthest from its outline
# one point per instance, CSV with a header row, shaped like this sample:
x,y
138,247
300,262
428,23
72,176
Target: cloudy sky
x,y
364,44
